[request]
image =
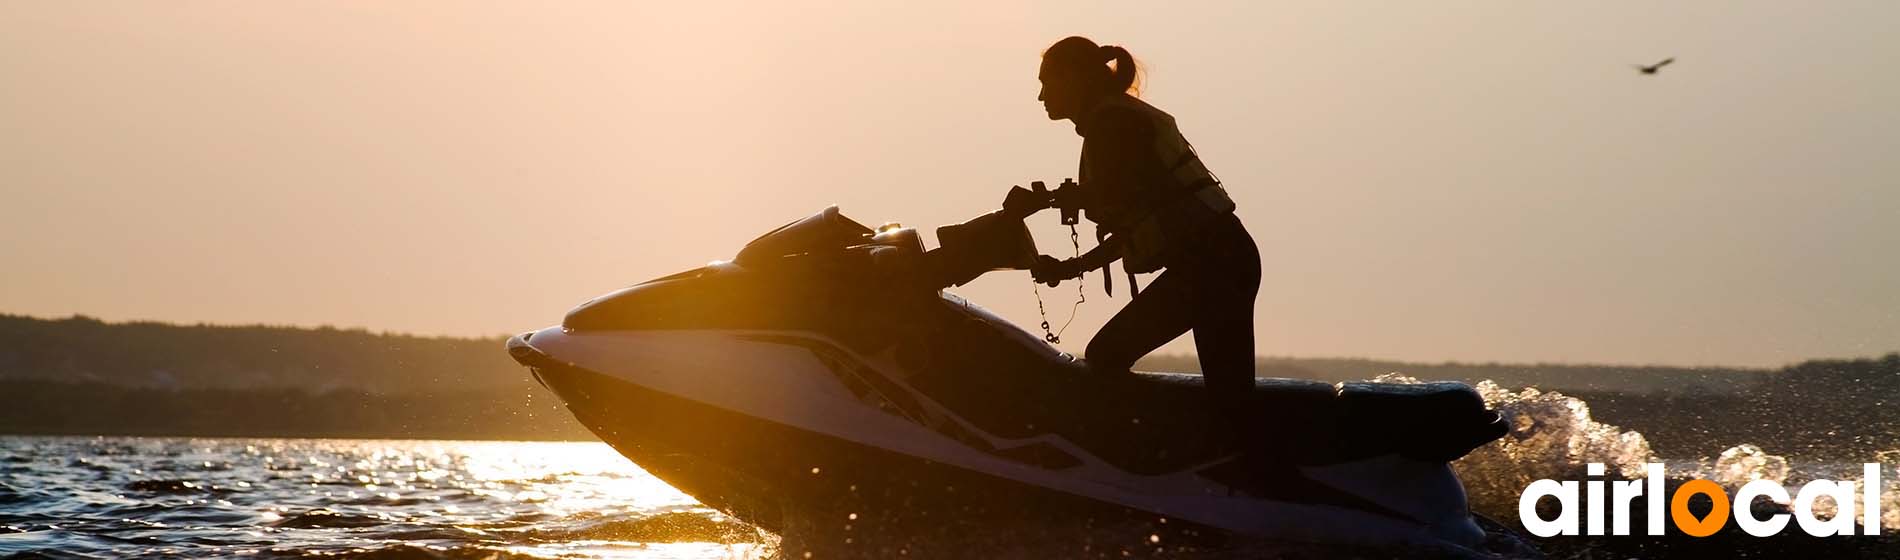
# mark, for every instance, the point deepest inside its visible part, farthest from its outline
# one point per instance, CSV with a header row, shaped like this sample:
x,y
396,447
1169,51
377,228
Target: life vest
x,y
1153,216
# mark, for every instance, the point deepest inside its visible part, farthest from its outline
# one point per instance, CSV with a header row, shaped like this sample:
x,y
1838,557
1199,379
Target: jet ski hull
x,y
802,462
790,480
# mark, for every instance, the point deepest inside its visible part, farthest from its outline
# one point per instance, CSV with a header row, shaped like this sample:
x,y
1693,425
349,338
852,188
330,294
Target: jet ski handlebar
x,y
994,241
1020,203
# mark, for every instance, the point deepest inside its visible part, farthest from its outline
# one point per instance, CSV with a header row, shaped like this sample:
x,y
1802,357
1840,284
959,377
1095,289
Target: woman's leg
x,y
1223,326
1163,312
1212,293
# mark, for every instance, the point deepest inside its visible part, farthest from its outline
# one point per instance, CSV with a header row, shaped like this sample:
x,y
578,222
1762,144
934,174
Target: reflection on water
x,y
271,498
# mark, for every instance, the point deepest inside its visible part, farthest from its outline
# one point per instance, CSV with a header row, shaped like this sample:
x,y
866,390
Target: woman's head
x,y
1076,72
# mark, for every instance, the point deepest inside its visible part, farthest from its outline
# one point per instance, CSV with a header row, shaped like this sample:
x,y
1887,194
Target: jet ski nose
x,y
526,354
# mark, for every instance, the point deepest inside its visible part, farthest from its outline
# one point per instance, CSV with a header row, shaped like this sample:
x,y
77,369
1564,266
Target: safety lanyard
x,y
1081,296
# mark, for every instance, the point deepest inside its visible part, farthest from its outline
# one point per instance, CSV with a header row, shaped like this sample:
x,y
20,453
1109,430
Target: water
x,y
1553,437
112,497
78,497
91,497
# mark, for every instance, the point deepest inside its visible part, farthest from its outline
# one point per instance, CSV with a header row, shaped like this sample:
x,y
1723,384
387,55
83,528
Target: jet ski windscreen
x,y
828,229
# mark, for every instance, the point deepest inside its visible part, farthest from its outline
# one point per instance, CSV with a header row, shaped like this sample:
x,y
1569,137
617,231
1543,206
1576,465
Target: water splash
x,y
1747,463
1744,463
1554,437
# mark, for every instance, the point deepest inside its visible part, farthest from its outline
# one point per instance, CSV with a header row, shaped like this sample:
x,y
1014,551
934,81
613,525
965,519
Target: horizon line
x,y
1258,357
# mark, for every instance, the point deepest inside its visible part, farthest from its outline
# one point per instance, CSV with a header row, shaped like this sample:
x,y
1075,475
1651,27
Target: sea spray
x,y
1747,463
1554,437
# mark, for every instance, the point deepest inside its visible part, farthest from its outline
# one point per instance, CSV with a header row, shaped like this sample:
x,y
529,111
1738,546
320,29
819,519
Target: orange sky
x,y
1427,181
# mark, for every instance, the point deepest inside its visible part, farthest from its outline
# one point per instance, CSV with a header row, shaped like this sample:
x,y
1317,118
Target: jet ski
x,y
825,378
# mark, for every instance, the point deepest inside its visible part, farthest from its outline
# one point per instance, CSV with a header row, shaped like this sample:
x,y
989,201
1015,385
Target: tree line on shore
x,y
84,376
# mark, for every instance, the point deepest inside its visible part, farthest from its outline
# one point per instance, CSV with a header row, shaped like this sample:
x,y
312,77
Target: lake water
x,y
86,497
112,497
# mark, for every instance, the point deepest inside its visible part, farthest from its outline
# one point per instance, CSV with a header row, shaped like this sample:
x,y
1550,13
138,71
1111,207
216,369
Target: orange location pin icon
x,y
1679,508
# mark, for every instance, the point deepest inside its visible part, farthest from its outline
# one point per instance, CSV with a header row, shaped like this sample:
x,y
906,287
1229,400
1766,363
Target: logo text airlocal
x,y
1622,492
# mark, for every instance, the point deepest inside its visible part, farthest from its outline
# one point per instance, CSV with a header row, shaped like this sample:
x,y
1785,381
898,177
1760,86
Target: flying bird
x,y
1651,69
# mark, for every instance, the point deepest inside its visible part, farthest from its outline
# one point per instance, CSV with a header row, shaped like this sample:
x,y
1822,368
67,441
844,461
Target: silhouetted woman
x,y
1160,208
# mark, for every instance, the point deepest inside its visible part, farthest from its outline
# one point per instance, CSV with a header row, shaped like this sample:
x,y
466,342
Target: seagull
x,y
1651,69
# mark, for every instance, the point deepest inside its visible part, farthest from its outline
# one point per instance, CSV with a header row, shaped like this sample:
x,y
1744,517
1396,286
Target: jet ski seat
x,y
1161,421
1438,421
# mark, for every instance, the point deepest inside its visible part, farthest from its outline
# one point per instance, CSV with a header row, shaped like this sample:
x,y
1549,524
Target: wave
x,y
174,486
677,526
332,519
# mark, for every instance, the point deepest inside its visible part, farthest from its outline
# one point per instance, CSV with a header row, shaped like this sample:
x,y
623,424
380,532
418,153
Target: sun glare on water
x,y
569,477
549,500
127,497
583,482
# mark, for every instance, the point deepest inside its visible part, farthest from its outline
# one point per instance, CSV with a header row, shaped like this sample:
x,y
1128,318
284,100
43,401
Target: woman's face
x,y
1060,97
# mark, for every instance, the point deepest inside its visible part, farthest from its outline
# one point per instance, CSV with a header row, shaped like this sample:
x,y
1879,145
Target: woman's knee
x,y
1108,356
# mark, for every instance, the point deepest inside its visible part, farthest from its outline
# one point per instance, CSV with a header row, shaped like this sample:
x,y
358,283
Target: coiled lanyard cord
x,y
1055,337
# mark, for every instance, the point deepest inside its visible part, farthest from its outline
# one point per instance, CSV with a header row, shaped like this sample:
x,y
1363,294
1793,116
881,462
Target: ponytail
x,y
1125,77
1091,63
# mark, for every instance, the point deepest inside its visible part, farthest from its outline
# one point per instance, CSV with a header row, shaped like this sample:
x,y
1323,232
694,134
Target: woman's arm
x,y
1049,270
1103,253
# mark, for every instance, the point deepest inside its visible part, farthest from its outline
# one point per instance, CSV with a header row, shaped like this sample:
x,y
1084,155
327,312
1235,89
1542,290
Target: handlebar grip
x,y
1071,214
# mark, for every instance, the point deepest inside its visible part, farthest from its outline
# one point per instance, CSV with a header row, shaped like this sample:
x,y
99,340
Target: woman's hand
x,y
1052,271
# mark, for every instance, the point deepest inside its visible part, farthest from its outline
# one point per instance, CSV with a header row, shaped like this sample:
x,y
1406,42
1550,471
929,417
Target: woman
x,y
1160,208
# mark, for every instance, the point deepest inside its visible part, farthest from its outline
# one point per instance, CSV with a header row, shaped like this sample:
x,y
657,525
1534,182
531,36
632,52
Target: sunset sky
x,y
1473,181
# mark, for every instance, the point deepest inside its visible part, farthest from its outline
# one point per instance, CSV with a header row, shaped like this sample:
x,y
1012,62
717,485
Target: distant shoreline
x,y
523,412
81,376
153,354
